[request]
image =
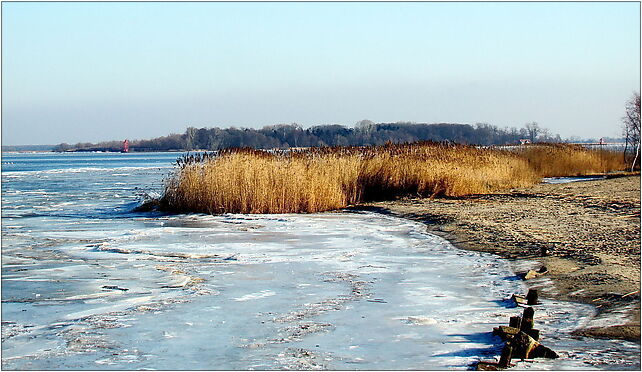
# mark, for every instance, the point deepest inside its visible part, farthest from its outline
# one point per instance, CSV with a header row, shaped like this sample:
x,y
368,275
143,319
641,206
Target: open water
x,y
89,284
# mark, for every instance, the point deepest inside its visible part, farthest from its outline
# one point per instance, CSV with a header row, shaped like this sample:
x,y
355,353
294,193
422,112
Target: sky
x,y
88,72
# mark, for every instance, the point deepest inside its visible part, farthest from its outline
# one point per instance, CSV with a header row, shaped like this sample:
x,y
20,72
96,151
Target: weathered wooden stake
x,y
518,299
507,355
527,319
531,297
534,333
515,321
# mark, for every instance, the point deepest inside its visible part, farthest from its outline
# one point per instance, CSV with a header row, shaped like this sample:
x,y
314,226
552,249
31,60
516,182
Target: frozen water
x,y
87,284
556,180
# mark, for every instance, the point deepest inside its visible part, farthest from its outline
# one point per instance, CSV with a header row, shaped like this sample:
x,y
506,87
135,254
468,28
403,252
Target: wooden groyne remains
x,y
521,338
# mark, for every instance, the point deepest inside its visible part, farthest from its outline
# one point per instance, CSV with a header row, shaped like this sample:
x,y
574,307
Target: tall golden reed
x,y
321,179
563,160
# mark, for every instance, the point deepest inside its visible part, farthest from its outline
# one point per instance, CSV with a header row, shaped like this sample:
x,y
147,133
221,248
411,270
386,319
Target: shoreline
x,y
590,231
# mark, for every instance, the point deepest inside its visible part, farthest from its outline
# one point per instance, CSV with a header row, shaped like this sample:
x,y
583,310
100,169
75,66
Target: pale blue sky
x,y
99,71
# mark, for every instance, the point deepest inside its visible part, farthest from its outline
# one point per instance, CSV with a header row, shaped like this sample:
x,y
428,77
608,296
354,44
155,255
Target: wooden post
x,y
522,345
527,325
507,355
515,321
527,319
531,297
534,333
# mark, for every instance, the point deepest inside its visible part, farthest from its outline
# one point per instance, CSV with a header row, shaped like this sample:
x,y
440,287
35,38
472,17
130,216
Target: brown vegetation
x,y
321,179
563,160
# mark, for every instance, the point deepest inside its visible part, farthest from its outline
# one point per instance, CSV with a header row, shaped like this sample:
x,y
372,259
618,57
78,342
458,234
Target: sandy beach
x,y
589,230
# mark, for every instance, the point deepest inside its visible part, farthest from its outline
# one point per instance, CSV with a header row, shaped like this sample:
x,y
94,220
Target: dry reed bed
x,y
561,160
321,179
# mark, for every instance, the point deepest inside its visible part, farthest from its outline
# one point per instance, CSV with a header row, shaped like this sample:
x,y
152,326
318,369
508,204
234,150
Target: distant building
x,y
524,141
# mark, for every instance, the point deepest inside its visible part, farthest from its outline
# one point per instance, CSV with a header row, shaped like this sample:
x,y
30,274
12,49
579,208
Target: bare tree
x,y
545,135
533,130
190,136
631,130
365,125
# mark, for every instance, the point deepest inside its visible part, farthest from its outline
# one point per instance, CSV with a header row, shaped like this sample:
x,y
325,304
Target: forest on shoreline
x,y
365,133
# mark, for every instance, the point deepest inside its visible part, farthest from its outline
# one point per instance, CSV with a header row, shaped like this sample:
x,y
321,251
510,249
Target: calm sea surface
x,y
89,284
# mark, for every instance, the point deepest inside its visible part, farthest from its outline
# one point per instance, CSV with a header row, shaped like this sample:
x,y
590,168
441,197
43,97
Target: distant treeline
x,y
292,135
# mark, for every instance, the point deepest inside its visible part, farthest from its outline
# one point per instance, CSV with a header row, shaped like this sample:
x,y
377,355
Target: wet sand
x,y
590,230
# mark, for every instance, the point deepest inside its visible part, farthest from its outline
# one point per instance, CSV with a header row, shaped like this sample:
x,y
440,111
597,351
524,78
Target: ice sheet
x,y
571,179
334,290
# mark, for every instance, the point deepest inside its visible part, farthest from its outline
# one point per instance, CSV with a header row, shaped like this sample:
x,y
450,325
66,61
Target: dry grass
x,y
560,160
314,180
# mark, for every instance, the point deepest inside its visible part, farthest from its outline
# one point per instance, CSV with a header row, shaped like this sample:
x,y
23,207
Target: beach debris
x,y
531,298
519,300
521,341
233,257
115,287
531,274
378,300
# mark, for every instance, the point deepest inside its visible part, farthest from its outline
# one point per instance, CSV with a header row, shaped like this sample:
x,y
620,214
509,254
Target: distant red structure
x,y
125,146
